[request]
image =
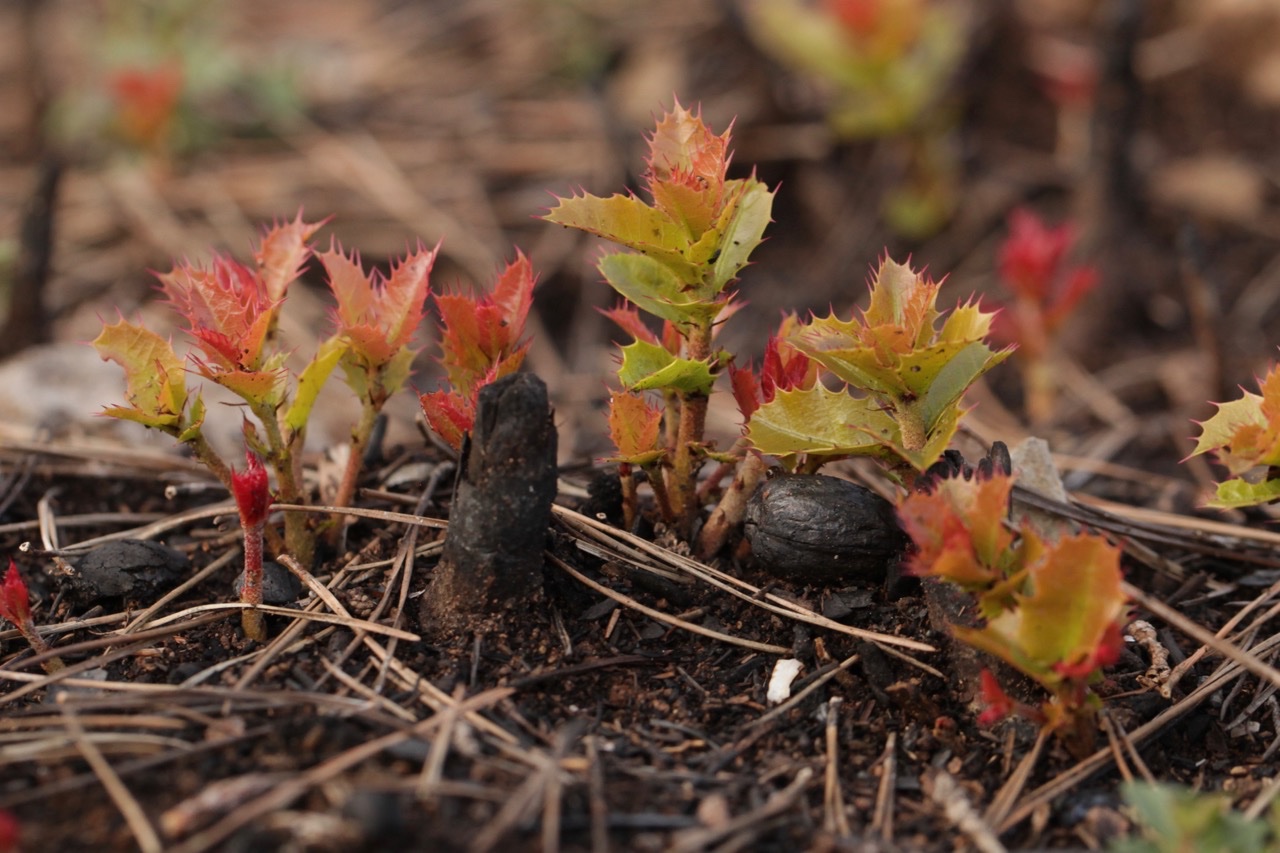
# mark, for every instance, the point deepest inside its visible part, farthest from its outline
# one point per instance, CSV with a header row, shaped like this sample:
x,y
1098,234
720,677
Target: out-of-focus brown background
x,y
1150,126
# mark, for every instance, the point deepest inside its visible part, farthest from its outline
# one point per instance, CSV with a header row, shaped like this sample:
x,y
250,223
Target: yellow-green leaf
x,y
155,377
647,367
630,222
819,421
312,379
655,287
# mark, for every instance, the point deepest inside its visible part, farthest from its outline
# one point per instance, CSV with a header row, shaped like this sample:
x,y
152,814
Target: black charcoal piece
x,y
816,529
127,568
492,560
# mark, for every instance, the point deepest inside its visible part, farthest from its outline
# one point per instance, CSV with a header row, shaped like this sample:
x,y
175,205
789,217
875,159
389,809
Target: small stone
x,y
279,585
126,568
818,529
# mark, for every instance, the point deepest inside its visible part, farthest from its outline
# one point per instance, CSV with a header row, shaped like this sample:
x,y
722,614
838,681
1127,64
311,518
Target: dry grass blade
x,y
143,832
67,674
156,528
1082,770
960,813
665,618
882,820
1008,794
271,610
834,820
1230,651
734,586
1176,674
779,803
288,791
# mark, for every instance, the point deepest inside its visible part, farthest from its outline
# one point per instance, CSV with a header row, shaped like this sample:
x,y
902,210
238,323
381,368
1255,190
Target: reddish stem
x,y
251,592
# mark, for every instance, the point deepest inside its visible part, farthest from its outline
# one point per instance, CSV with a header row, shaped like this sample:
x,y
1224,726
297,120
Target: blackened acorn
x,y
817,529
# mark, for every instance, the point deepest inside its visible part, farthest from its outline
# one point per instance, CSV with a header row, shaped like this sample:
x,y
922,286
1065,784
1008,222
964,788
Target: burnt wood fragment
x,y
501,512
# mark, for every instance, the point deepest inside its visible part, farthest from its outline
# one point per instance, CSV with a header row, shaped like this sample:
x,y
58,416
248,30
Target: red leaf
x,y
998,703
253,497
449,414
377,315
482,335
282,254
1033,265
15,603
627,318
146,99
687,168
746,390
226,308
634,425
959,530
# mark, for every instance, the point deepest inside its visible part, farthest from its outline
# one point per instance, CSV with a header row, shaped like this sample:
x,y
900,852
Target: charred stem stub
x,y
492,561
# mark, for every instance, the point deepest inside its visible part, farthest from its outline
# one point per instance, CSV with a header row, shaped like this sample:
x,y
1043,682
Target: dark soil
x,y
623,704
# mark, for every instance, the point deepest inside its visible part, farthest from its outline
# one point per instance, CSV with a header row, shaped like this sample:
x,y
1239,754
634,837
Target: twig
x,y
665,618
882,822
946,792
834,820
1228,650
1004,799
778,804
143,831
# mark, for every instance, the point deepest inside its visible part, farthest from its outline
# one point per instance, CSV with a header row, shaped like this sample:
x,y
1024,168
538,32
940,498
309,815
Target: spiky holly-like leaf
x,y
282,254
752,213
312,379
481,334
635,427
378,316
817,421
155,380
1068,614
628,221
449,414
228,311
1245,433
655,288
647,367
687,167
959,530
1239,492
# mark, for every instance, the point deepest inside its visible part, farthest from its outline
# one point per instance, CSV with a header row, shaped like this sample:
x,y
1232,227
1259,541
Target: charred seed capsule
x,y
808,527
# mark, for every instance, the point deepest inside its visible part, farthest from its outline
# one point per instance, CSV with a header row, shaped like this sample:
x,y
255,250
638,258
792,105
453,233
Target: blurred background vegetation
x,y
155,129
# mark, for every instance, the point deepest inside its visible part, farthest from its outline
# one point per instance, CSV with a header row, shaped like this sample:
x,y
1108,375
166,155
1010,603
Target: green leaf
x,y
957,373
195,420
656,288
313,378
937,440
819,421
1240,493
1175,818
751,216
647,367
